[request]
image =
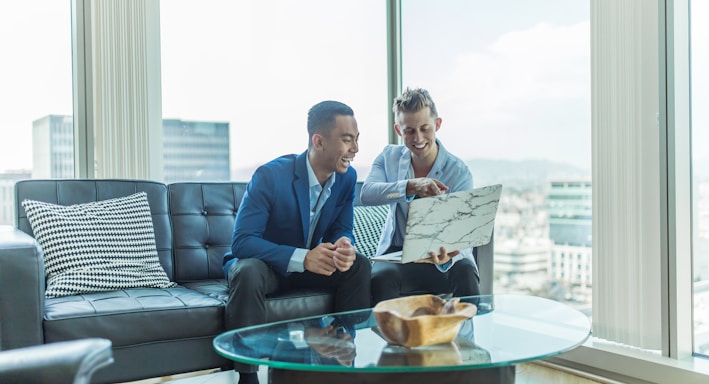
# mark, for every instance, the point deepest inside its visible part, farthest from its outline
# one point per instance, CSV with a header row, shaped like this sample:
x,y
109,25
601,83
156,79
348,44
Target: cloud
x,y
541,63
526,94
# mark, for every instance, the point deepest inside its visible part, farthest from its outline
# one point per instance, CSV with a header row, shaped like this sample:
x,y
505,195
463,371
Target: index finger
x,y
431,259
440,185
344,241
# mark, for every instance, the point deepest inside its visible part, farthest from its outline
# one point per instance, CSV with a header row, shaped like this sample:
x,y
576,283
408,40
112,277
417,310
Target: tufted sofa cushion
x,y
173,313
203,217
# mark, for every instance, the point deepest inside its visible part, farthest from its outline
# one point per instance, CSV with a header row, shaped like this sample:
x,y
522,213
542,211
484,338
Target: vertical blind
x,y
127,122
626,180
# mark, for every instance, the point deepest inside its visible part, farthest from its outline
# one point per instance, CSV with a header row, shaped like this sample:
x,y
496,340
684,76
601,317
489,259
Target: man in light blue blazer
x,y
421,167
294,226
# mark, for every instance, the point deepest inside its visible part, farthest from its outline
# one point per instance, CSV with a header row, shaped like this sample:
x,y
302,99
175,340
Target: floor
x,y
527,373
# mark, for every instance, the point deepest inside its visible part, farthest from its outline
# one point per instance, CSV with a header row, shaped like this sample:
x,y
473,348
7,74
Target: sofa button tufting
x,y
204,213
206,246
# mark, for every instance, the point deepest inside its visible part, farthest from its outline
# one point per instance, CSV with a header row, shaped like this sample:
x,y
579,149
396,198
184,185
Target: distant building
x,y
701,210
570,230
7,194
522,245
700,241
522,263
192,150
195,151
53,147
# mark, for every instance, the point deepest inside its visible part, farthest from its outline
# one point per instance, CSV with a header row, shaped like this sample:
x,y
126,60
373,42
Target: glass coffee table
x,y
347,347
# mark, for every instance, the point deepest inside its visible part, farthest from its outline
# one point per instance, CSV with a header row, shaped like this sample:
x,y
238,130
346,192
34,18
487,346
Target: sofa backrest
x,y
78,191
203,217
194,221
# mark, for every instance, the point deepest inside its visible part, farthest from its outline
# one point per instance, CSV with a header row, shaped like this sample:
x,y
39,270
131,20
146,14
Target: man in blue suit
x,y
294,226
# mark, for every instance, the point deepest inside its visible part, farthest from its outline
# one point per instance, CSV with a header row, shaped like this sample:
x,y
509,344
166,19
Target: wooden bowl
x,y
416,321
424,356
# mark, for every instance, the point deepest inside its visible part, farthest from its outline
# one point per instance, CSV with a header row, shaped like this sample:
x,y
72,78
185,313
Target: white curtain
x,y
127,116
626,173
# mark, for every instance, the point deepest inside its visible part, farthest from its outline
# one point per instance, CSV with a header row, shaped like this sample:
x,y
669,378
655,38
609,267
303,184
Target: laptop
x,y
456,221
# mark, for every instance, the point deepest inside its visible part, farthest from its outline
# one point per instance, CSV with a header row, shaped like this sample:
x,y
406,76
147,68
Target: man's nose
x,y
418,136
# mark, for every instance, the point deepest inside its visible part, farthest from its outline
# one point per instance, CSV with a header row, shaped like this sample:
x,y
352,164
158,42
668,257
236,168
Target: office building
x,y
195,150
569,207
522,245
53,147
192,150
7,194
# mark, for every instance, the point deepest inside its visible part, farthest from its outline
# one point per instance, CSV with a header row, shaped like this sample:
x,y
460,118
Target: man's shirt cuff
x,y
296,263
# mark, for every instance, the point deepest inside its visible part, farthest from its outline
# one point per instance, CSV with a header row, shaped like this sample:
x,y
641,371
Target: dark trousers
x,y
251,280
390,280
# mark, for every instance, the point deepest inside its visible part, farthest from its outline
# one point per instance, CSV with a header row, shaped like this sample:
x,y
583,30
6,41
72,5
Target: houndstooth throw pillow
x,y
368,223
99,246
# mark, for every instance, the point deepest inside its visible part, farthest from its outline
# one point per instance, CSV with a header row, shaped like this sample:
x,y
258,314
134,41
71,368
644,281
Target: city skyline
x,y
190,92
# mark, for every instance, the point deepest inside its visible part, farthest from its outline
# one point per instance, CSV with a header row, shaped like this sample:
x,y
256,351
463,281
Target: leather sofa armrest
x,y
485,258
22,287
62,362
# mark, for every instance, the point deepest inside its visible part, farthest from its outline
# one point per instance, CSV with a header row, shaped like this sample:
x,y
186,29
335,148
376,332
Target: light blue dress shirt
x,y
318,197
386,184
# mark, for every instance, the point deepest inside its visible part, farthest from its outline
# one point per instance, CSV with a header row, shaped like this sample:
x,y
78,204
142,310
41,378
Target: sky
x,y
35,73
510,85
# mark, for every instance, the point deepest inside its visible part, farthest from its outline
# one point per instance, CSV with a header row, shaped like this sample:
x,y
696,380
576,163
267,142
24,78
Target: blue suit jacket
x,y
274,216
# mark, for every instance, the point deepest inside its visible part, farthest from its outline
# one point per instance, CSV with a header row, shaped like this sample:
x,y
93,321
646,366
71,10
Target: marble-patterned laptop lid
x,y
457,220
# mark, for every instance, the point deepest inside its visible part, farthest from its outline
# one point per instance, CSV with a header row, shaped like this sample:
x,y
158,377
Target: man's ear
x,y
397,129
438,123
316,141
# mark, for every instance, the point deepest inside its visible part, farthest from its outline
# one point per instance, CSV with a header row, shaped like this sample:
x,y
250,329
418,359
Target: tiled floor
x,y
528,373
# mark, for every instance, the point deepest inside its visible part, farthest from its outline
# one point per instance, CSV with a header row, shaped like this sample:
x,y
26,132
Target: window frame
x,y
676,362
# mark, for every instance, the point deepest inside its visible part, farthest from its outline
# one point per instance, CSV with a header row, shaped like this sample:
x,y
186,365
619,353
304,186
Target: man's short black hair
x,y
321,117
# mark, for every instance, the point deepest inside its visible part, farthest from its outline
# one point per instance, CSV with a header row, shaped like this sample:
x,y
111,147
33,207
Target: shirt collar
x,y
441,158
313,180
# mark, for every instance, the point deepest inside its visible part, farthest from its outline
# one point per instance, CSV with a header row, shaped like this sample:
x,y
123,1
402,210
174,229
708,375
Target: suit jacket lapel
x,y
326,211
302,192
404,163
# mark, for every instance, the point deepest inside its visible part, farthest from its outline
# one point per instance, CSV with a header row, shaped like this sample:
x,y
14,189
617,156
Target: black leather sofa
x,y
154,331
66,362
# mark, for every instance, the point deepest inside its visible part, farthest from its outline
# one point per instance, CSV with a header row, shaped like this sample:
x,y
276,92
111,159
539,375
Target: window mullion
x,y
675,127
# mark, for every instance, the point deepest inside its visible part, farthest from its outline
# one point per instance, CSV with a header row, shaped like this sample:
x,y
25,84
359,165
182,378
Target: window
x,y
699,38
258,66
513,90
36,94
472,49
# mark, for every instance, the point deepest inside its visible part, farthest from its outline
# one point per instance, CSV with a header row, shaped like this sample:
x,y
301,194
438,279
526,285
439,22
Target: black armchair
x,y
71,362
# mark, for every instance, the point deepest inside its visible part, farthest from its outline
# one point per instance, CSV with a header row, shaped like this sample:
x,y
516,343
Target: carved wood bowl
x,y
425,356
420,320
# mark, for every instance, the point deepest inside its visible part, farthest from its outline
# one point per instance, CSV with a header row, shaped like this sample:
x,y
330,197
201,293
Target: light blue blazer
x,y
386,184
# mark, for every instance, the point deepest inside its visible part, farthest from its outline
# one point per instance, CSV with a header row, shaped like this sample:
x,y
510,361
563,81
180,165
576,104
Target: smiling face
x,y
418,129
333,150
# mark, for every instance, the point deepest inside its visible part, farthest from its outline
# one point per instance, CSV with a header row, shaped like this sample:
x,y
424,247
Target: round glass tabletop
x,y
507,330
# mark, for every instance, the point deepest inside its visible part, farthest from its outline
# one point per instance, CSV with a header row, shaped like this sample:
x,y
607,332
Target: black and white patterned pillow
x,y
368,223
99,246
